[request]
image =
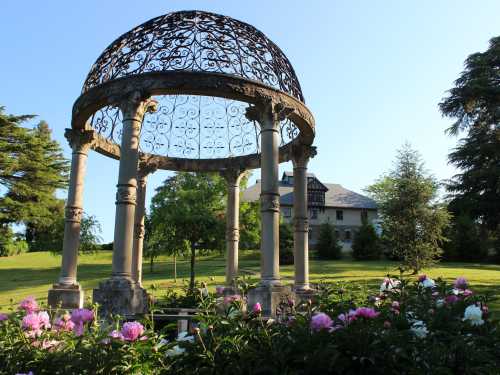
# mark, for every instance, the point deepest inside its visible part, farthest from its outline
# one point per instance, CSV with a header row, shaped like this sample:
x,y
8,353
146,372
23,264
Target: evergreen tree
x,y
366,244
286,244
467,242
412,223
328,246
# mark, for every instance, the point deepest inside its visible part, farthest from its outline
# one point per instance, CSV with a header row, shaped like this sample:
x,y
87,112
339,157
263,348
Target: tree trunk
x,y
151,261
191,281
175,269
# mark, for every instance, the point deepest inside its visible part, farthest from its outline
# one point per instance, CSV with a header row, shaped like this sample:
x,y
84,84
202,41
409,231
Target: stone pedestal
x,y
304,295
269,297
121,296
66,296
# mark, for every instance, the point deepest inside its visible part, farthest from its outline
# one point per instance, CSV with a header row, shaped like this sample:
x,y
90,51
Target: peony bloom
x,y
219,289
204,290
451,299
366,312
232,298
460,283
347,318
419,329
395,305
64,323
3,317
29,305
183,336
35,322
321,321
44,319
257,308
387,324
426,282
467,293
116,334
389,285
421,278
29,373
79,317
49,344
474,315
131,331
175,351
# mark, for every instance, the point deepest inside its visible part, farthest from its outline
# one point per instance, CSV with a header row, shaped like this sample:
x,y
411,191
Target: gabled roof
x,y
336,196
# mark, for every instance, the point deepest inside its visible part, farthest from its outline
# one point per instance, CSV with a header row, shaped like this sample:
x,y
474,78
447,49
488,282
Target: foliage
x,y
412,223
286,244
366,244
408,327
9,244
474,104
467,242
328,246
250,225
187,212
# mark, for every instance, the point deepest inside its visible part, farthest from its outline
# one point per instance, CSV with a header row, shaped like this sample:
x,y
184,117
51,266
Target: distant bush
x,y
9,244
366,244
328,246
286,244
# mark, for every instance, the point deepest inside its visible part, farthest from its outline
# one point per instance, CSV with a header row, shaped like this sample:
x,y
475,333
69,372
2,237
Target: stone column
x,y
270,290
67,293
233,177
120,294
143,171
300,159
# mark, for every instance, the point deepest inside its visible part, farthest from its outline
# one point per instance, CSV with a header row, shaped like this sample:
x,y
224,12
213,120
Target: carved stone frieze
x,y
269,202
73,214
126,194
80,140
232,234
300,155
139,230
301,224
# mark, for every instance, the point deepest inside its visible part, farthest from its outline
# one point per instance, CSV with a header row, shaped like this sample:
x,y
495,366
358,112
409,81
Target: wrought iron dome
x,y
200,42
204,70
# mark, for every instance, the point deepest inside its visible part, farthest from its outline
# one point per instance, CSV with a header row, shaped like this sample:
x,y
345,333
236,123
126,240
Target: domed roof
x,y
200,42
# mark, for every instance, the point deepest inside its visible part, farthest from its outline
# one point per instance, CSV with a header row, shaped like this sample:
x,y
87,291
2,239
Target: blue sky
x,y
372,72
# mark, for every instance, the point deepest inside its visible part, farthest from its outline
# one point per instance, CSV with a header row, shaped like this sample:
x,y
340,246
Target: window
x,y
347,235
340,215
287,212
364,215
337,234
314,213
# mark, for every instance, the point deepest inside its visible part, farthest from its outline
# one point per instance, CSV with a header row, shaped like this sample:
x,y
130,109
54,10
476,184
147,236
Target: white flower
x,y
183,336
389,284
270,321
419,329
175,351
474,315
204,291
428,283
439,303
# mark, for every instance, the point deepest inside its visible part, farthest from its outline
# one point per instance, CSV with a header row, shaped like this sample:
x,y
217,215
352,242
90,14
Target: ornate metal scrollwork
x,y
196,41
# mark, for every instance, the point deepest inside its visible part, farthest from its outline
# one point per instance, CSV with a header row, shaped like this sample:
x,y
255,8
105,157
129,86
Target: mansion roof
x,y
336,196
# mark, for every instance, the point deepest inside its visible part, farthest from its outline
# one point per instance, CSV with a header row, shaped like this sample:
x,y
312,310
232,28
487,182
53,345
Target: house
x,y
332,203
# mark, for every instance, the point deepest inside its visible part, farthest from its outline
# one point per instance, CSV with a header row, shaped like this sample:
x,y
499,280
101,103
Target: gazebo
x,y
188,91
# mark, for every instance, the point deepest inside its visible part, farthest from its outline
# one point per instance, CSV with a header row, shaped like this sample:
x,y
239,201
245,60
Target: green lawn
x,y
33,273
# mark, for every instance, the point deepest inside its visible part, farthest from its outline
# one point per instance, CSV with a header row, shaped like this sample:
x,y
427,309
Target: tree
x,y
474,104
412,222
250,225
286,243
467,242
366,244
328,246
191,206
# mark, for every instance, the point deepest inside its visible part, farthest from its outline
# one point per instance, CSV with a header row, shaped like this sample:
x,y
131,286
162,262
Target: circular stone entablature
x,y
204,70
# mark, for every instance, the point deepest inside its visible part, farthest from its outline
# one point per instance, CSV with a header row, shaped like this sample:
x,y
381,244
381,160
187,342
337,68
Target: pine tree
x,y
366,244
328,246
286,243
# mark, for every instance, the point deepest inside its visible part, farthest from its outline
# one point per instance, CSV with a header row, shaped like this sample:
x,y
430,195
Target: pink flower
x,y
395,305
64,323
387,324
79,317
219,289
257,308
131,331
3,317
291,302
485,309
467,293
48,344
461,283
35,322
321,321
347,318
29,305
421,278
451,299
366,312
231,299
116,335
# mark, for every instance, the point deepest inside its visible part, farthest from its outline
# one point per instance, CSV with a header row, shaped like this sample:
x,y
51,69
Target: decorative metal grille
x,y
196,41
193,127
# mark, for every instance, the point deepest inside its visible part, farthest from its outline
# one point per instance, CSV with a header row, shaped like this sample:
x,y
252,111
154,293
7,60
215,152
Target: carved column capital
x,y
126,194
268,113
301,154
80,140
232,175
135,105
73,214
146,166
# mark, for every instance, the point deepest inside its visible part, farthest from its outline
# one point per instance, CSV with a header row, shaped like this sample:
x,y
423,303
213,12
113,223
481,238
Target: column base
x,y
65,296
303,295
121,296
269,297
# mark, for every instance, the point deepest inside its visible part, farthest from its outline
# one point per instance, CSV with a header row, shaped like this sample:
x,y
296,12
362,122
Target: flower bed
x,y
406,327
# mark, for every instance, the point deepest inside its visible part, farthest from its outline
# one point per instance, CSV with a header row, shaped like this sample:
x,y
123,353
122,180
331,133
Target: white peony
x,y
440,303
428,283
474,315
175,351
389,285
183,336
419,329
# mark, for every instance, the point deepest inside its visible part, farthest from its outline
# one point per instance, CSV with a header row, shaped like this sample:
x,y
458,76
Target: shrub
x,y
286,244
328,246
366,244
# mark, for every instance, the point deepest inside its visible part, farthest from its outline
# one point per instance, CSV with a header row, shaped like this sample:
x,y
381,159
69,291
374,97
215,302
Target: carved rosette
x,y
80,140
73,214
126,194
269,202
301,224
139,230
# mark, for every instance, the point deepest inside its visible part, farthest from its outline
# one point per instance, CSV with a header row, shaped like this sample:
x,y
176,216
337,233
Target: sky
x,y
372,73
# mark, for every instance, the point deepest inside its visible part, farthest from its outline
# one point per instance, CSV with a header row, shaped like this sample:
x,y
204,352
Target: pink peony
x,y
451,299
219,289
79,317
29,305
131,331
3,317
257,308
366,312
467,293
231,299
64,323
321,321
35,322
347,318
461,283
116,335
395,305
421,278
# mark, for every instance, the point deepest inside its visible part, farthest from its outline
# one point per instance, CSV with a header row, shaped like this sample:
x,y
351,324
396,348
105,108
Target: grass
x,y
33,273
